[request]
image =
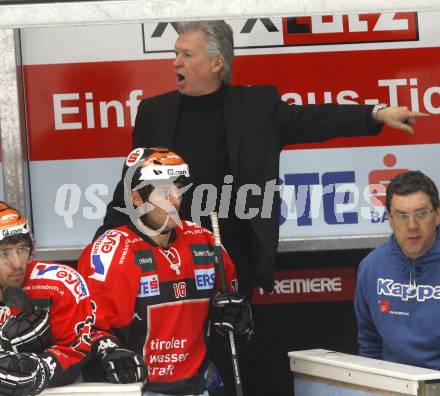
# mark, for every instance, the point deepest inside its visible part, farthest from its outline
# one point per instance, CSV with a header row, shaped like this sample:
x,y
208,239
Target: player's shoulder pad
x,y
103,249
64,276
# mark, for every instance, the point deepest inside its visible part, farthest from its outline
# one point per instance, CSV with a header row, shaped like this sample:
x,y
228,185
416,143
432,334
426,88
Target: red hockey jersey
x,y
157,300
64,293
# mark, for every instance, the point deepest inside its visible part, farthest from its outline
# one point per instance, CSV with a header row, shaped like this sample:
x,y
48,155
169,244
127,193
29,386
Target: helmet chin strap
x,y
161,238
143,220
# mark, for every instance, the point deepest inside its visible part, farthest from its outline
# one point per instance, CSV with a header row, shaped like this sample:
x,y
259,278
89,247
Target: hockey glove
x,y
123,366
22,374
231,311
26,332
103,346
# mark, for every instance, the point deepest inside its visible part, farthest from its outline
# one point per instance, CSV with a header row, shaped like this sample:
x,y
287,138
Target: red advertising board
x,y
83,85
305,286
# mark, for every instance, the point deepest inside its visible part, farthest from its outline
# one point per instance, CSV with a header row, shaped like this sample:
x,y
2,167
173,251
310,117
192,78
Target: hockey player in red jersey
x,y
45,314
154,283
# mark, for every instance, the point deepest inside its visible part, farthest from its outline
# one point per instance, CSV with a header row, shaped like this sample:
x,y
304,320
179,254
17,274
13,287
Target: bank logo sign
x,y
298,31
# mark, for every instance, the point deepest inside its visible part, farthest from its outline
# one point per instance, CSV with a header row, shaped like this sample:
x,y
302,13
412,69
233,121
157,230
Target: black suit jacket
x,y
257,125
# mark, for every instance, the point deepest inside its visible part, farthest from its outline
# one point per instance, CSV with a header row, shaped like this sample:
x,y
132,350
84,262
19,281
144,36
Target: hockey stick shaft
x,y
221,270
218,250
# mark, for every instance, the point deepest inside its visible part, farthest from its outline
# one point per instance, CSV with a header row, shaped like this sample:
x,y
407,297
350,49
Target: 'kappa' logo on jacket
x,y
387,287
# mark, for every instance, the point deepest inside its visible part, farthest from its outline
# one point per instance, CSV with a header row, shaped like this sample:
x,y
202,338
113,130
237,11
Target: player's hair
x,y
219,41
411,182
13,239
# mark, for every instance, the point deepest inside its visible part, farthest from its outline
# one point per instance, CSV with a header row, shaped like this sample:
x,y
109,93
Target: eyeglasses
x,y
417,216
8,253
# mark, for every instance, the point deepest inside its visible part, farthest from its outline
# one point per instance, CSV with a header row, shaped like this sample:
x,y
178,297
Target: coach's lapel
x,y
234,113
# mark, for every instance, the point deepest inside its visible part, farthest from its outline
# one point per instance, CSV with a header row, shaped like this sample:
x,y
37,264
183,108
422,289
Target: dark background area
x,y
281,328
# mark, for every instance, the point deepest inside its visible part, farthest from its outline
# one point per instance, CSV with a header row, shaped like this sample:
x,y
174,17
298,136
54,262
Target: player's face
x,y
416,231
161,210
197,74
13,262
166,204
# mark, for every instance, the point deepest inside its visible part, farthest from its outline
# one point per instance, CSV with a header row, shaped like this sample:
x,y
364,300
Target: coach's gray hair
x,y
219,41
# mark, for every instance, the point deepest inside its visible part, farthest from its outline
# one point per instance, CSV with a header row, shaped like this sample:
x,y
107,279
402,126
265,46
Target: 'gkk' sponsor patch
x,y
202,253
145,259
387,287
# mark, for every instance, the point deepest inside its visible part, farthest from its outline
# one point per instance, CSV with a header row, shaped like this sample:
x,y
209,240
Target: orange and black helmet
x,y
13,226
156,165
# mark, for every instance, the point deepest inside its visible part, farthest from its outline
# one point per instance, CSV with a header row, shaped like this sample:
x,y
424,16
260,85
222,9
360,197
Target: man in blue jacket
x,y
397,298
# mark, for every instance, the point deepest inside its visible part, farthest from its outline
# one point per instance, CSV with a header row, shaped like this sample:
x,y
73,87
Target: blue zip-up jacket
x,y
397,306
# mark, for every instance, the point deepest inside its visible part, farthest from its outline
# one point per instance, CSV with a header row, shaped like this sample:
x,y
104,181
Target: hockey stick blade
x,y
17,298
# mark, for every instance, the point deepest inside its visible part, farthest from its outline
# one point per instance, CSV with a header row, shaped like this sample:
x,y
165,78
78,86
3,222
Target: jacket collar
x,y
431,257
234,110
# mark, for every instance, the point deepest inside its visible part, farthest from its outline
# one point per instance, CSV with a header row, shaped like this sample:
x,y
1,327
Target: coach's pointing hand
x,y
399,117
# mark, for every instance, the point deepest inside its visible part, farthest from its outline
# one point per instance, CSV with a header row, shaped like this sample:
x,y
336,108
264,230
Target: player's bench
x,y
96,389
